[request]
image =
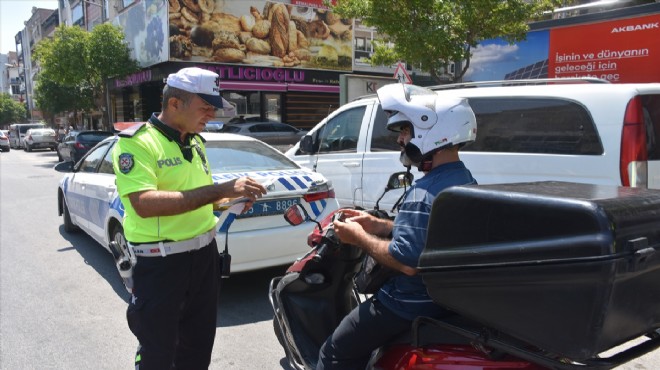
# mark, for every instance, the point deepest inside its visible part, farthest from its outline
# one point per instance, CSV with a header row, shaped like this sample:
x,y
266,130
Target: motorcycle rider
x,y
431,130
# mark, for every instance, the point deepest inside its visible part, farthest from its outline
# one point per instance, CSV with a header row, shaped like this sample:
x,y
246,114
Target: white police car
x,y
88,200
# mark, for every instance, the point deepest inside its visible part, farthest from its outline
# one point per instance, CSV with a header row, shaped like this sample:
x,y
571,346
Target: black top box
x,y
572,269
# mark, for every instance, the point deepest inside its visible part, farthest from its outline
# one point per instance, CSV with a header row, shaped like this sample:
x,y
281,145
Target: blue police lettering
x,y
169,162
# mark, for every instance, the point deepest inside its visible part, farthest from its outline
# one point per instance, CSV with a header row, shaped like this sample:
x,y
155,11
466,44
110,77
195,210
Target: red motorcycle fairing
x,y
446,357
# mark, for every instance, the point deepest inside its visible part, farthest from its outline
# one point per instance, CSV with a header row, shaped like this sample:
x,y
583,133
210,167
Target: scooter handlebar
x,y
329,239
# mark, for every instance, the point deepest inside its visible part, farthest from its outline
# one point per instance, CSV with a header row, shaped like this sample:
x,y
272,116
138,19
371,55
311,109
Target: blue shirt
x,y
406,295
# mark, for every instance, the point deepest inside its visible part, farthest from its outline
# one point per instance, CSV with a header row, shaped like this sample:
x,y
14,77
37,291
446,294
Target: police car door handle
x,y
351,164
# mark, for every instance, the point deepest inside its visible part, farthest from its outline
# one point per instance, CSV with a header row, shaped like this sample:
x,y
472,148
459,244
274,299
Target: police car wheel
x,y
118,237
69,226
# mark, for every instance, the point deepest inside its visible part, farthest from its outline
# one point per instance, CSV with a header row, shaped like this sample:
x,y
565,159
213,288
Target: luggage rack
x,y
523,82
481,338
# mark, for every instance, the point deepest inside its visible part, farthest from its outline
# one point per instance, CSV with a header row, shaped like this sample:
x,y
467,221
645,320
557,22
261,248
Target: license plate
x,y
269,207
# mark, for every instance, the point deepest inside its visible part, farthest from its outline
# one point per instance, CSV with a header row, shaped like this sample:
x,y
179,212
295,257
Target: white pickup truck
x,y
585,131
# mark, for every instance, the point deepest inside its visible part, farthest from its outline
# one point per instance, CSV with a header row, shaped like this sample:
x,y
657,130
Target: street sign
x,y
401,74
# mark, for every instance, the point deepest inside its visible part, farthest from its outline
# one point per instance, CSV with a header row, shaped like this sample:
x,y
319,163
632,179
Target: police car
x,y
88,200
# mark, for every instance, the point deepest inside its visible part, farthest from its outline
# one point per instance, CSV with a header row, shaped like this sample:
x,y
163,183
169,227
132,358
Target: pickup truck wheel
x,y
69,226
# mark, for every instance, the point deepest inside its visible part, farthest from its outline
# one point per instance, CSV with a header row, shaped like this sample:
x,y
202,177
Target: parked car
x,y
76,143
87,199
214,126
39,138
17,133
251,119
4,141
574,130
277,134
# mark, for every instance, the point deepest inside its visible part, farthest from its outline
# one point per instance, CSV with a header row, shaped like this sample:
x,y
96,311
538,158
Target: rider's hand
x,y
370,224
348,232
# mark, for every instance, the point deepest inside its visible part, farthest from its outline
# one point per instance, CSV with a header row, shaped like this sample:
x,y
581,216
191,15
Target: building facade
x,y
276,60
41,24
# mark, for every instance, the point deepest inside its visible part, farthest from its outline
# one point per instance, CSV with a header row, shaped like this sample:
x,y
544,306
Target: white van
x,y
17,133
583,130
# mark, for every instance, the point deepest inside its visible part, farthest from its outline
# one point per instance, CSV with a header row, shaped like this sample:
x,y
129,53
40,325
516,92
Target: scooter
x,y
318,290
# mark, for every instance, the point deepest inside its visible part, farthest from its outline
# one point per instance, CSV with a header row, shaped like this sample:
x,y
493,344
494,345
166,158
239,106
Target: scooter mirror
x,y
400,180
296,215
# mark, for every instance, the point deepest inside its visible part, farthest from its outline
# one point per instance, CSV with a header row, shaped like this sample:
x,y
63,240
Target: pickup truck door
x,y
381,159
340,141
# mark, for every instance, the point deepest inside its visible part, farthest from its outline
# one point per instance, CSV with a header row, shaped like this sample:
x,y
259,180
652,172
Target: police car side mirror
x,y
64,167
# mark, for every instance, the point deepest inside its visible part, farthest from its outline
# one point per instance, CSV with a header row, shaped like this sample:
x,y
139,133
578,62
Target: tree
x,y
435,33
52,97
10,110
82,62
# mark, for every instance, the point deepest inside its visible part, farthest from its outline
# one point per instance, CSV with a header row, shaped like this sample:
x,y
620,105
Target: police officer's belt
x,y
162,249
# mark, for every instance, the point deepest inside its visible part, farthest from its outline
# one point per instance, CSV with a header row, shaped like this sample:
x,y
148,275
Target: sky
x,y
493,59
12,15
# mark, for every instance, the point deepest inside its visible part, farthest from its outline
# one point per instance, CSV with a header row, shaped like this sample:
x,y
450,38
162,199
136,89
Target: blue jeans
x,y
369,326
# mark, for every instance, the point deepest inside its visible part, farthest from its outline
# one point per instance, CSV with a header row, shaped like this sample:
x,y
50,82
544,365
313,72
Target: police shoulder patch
x,y
132,130
126,162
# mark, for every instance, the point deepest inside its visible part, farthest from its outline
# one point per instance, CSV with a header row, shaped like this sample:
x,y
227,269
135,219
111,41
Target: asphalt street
x,y
62,303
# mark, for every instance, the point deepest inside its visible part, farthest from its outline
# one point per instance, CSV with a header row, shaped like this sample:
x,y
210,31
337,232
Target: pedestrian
x,y
431,130
165,184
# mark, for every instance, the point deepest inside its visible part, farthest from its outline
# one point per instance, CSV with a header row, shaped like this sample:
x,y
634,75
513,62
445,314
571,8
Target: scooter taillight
x,y
447,356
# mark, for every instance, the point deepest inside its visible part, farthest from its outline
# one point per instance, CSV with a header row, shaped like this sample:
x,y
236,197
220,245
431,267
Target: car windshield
x,y
236,156
94,136
23,129
232,129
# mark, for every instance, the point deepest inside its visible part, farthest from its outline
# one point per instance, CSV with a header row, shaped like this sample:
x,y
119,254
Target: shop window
x,y
360,44
127,3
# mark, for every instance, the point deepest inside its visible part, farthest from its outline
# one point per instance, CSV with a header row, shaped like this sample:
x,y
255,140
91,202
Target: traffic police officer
x,y
165,184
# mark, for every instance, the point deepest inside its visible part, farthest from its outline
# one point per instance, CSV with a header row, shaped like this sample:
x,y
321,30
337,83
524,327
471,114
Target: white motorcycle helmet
x,y
436,122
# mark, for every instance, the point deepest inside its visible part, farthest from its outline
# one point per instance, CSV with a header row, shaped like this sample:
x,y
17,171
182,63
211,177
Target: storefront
x,y
299,97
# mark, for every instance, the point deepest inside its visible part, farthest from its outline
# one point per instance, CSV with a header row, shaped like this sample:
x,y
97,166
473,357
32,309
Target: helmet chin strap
x,y
424,165
405,160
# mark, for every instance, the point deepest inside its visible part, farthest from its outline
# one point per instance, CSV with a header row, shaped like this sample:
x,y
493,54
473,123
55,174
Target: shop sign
x,y
274,75
134,79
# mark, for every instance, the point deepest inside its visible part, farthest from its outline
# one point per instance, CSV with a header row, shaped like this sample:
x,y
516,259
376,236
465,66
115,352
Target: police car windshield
x,y
235,156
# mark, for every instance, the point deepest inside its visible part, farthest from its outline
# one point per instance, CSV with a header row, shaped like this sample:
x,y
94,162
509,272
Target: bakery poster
x,y
260,34
144,25
624,50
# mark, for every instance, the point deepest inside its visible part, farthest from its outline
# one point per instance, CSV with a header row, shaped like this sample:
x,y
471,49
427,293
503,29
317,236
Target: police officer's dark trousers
x,y
367,327
173,309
